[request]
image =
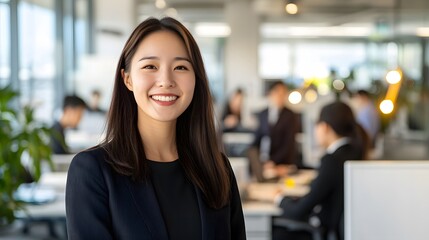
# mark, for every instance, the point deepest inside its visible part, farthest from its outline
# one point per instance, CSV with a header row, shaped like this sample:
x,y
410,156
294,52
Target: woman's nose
x,y
166,80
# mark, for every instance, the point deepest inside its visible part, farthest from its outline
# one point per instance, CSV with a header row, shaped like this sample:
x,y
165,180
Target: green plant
x,y
21,136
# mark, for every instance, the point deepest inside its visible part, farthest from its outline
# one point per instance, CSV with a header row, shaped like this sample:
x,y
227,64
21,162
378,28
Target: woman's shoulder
x,y
90,158
350,152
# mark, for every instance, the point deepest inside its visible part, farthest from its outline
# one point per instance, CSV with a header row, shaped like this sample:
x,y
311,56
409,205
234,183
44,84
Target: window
x,y
4,44
37,66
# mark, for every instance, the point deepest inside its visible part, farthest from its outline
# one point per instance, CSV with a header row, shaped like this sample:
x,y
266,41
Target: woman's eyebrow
x,y
182,59
148,57
157,58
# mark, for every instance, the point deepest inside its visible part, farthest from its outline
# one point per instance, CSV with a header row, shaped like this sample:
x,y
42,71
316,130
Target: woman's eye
x,y
149,67
181,68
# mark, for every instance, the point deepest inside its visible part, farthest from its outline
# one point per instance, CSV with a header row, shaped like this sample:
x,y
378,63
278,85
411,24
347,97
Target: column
x,y
241,56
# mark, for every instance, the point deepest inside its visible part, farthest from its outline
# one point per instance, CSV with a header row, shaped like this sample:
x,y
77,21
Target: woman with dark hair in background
x,y
343,139
231,117
159,173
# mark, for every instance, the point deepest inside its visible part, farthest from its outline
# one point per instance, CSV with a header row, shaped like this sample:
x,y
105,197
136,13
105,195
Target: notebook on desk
x,y
256,166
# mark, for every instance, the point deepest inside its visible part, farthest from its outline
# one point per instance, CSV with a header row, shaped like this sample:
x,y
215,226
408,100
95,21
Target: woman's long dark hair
x,y
339,116
198,150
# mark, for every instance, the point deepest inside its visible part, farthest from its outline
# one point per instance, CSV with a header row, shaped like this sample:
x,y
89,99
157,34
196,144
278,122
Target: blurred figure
x,y
231,117
275,135
367,115
94,103
340,135
73,109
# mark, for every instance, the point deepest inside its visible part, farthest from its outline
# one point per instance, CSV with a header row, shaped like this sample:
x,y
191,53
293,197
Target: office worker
x,y
159,173
275,134
367,115
231,116
73,110
339,134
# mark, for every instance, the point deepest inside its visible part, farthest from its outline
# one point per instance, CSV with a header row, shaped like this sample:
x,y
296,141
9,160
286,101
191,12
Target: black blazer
x,y
327,190
282,135
102,204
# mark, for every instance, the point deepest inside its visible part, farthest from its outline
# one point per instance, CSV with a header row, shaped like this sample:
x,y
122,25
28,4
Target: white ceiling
x,y
405,15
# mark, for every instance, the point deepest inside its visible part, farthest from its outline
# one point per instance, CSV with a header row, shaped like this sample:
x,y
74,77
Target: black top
x,y
177,200
58,143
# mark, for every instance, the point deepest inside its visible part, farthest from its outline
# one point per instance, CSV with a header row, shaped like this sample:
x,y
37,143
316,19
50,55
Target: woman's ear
x,y
127,80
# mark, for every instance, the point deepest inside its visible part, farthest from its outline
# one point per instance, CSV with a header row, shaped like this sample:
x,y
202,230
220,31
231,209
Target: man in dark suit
x,y
275,135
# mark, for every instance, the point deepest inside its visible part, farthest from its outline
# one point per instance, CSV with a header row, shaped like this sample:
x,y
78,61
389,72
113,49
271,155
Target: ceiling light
x,y
310,96
393,77
423,31
212,29
287,31
160,4
295,97
387,106
291,8
171,12
338,84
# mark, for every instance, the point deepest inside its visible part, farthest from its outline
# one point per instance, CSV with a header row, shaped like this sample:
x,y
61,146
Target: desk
x,y
258,214
257,217
52,213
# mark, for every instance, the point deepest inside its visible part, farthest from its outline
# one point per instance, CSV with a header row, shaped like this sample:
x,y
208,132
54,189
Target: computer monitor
x,y
386,200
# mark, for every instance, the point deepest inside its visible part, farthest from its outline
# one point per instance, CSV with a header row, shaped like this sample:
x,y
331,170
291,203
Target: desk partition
x,y
386,200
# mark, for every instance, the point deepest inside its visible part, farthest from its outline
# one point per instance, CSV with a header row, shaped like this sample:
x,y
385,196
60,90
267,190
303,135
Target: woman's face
x,y
161,77
321,131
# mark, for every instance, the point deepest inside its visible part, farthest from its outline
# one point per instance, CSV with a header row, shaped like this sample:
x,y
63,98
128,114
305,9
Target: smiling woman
x,y
161,77
159,173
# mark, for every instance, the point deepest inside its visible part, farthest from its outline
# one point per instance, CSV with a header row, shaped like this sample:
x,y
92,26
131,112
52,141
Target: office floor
x,y
394,149
37,231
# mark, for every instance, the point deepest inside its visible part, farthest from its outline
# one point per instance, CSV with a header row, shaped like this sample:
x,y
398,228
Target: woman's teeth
x,y
164,98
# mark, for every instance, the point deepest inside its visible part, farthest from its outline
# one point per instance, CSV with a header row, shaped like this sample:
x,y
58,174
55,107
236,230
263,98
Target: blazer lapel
x,y
148,207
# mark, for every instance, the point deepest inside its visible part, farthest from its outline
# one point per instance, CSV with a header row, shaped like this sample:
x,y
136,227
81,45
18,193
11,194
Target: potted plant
x,y
21,136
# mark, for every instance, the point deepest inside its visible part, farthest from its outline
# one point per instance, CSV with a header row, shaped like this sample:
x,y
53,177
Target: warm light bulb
x,y
310,96
386,106
338,85
291,8
393,77
295,97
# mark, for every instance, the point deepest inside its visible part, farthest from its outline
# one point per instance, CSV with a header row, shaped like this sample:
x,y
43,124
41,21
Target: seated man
x,y
73,109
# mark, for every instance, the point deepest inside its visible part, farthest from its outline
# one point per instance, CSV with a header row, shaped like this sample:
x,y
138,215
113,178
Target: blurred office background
x,y
51,48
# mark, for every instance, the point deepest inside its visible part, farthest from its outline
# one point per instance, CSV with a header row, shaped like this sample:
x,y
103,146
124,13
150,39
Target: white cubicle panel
x,y
386,200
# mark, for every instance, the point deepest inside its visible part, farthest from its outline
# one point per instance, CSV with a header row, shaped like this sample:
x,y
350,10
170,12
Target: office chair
x,y
293,225
317,233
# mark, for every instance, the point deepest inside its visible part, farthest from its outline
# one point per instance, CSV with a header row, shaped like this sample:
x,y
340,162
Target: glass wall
x,y
50,36
4,43
37,55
